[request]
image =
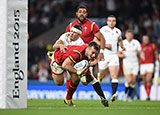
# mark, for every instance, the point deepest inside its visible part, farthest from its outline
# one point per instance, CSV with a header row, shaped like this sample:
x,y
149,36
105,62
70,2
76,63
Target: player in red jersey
x,y
147,65
65,61
90,29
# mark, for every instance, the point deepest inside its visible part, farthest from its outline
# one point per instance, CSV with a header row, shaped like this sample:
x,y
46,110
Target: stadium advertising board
x,y
52,91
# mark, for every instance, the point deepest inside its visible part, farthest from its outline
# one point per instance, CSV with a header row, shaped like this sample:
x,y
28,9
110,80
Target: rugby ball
x,y
81,65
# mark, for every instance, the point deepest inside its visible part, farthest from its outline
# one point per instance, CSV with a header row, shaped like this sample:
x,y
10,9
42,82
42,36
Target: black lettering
x,y
15,93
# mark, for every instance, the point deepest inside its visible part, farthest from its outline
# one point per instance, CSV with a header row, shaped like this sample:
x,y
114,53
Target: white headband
x,y
76,30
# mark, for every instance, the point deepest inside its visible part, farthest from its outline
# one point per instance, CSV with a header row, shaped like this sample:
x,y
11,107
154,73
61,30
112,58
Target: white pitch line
x,y
88,108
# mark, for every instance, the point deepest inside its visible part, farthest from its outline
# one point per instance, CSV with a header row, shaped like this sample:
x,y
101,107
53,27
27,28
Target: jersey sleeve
x,y
120,34
68,28
62,37
102,30
138,45
75,56
154,47
95,28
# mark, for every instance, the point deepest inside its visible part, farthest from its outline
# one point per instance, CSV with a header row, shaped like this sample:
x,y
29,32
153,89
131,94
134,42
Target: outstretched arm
x,y
60,44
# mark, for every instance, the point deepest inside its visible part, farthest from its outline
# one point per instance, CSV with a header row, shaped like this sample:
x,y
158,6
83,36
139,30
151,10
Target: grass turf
x,y
85,107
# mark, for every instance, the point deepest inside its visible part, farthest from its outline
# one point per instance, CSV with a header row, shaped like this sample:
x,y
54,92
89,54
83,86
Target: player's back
x,y
74,52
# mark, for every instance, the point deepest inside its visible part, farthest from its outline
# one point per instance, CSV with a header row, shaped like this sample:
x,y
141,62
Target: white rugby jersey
x,y
111,37
66,40
132,48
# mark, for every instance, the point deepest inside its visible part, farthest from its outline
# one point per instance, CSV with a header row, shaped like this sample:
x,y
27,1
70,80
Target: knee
x,y
59,83
84,83
101,75
114,76
76,81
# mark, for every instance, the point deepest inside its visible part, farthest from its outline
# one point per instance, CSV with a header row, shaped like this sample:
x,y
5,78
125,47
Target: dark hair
x,y
95,45
82,6
79,27
113,16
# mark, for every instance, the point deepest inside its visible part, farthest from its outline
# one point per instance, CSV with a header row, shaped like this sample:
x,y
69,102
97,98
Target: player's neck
x,y
111,27
129,40
81,22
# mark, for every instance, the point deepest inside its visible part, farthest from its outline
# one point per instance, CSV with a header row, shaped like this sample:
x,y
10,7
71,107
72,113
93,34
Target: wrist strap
x,y
101,51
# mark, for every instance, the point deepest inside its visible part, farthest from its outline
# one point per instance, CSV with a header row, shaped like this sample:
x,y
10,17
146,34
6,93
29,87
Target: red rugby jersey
x,y
75,52
89,29
148,50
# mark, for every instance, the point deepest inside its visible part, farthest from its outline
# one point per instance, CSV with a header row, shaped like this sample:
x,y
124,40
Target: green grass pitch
x,y
85,107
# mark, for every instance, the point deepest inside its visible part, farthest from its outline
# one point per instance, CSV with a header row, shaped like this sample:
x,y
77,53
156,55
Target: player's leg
x,y
132,86
97,88
71,88
148,84
148,72
127,85
114,70
58,79
127,74
57,72
102,69
102,73
134,73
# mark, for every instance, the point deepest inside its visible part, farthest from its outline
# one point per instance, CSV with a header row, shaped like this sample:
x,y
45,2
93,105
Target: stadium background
x,y
48,20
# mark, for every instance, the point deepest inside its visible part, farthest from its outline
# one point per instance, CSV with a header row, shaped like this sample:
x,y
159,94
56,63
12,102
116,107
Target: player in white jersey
x,y
112,36
130,62
69,38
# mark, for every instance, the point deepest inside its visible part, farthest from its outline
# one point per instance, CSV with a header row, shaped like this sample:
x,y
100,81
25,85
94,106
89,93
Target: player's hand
x,y
123,48
63,48
94,62
121,54
101,56
108,46
83,71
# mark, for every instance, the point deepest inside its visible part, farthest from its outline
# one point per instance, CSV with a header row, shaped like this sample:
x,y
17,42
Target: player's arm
x,y
100,37
141,55
120,42
140,52
108,46
156,53
60,44
121,54
68,65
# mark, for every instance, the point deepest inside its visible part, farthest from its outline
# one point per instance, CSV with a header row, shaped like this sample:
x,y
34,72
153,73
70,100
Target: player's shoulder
x,y
89,21
117,29
153,45
67,34
125,41
104,27
136,41
73,23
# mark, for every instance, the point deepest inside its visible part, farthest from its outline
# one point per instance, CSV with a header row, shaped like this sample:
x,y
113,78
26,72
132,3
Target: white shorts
x,y
130,68
111,60
144,68
55,68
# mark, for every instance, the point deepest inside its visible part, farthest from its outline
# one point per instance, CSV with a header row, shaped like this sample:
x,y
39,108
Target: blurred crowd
x,y
142,16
